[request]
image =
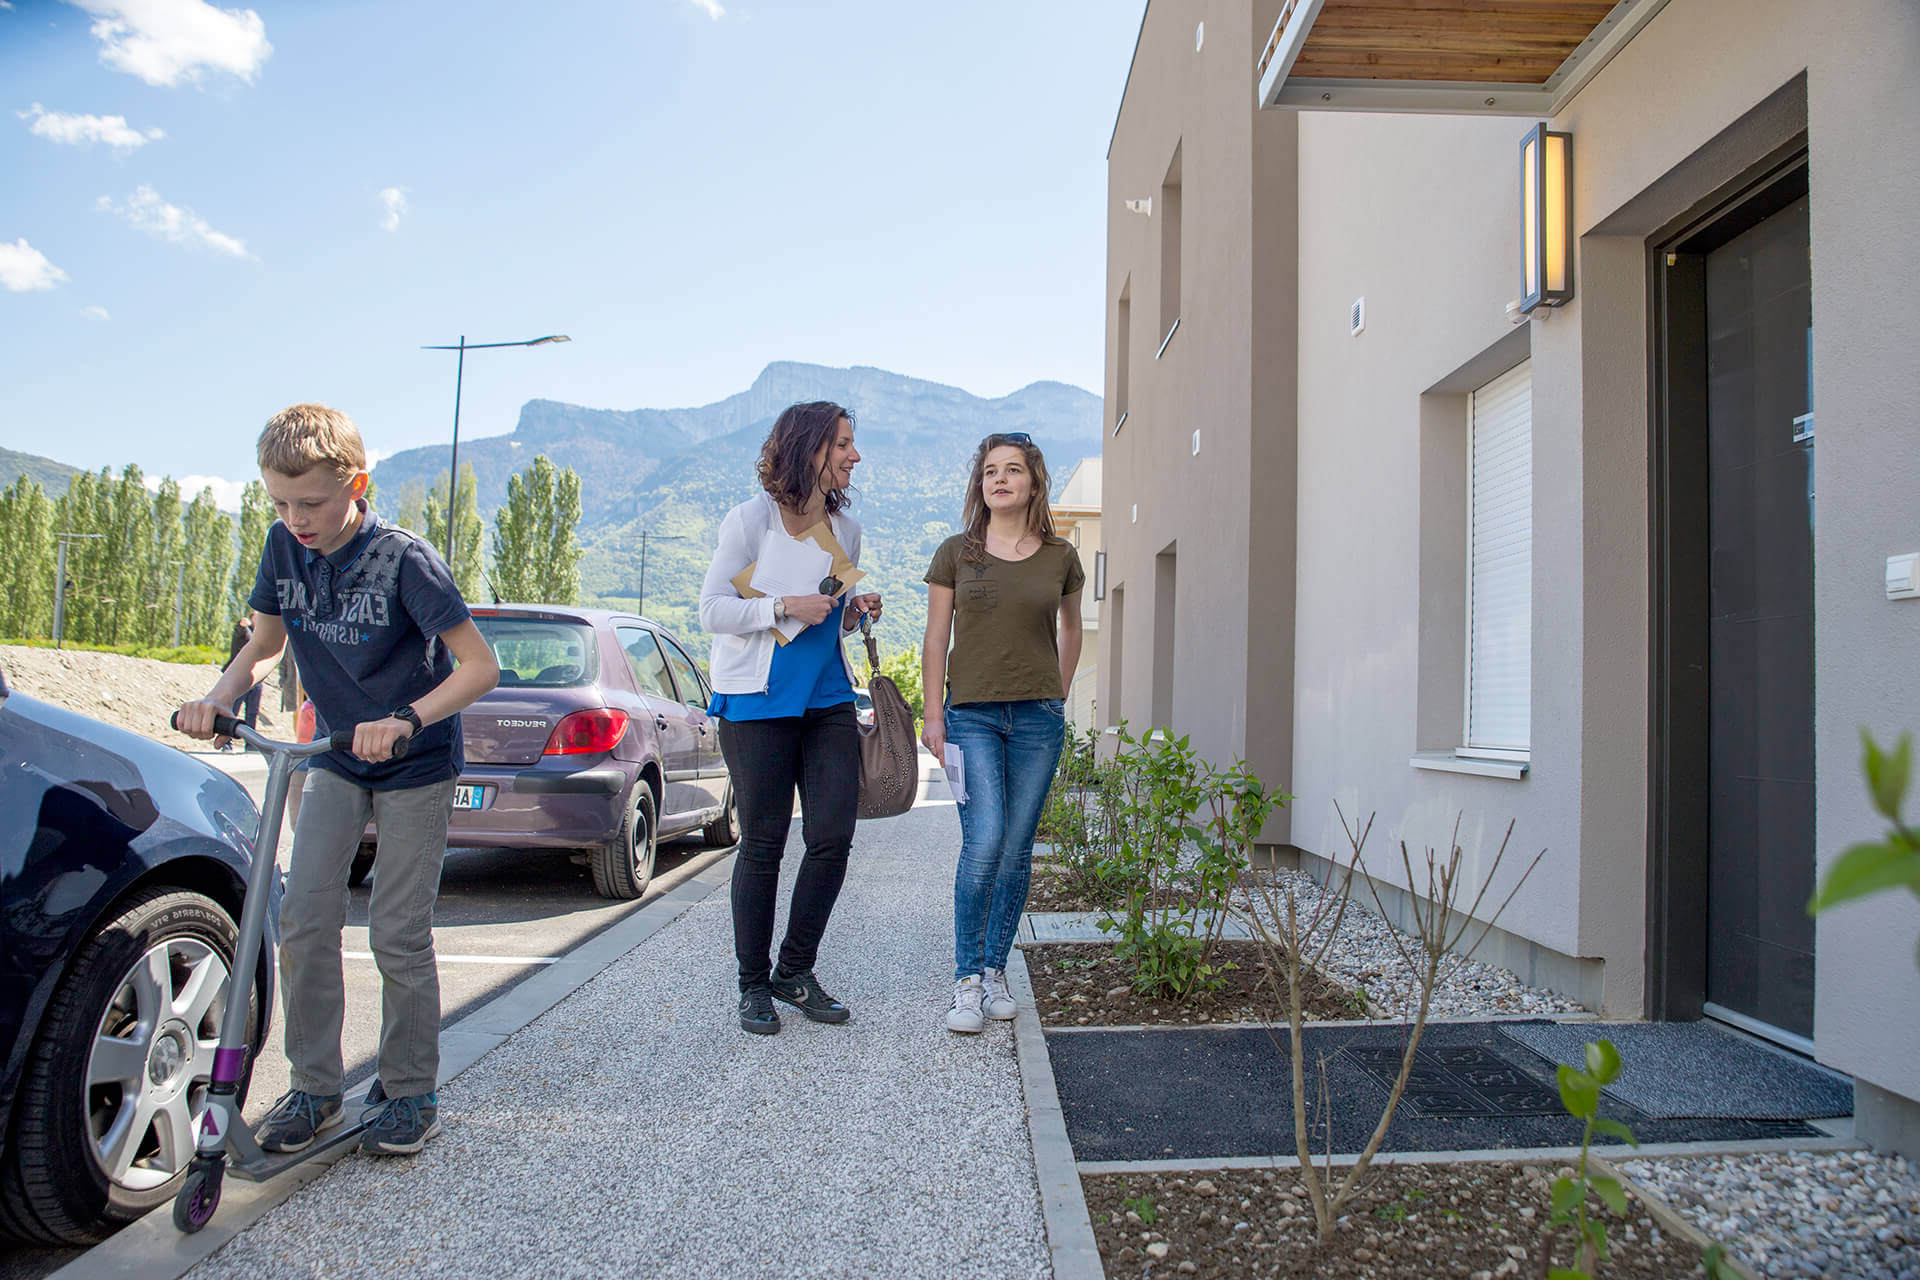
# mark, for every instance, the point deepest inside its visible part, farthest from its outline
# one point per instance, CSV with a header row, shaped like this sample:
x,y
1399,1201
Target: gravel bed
x,y
1850,1215
635,1130
1364,957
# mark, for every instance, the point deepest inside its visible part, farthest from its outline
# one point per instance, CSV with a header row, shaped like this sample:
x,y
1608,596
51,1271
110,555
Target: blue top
x,y
806,673
363,624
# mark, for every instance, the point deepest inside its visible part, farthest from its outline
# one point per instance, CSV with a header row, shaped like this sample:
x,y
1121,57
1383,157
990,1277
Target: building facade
x,y
1076,517
1569,572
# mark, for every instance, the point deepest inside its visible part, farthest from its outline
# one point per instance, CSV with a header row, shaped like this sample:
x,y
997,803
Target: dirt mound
x,y
132,693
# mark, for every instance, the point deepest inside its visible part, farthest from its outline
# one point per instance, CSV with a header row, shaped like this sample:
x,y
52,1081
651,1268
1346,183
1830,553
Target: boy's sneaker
x,y
965,1016
804,992
999,1001
402,1126
296,1120
756,1012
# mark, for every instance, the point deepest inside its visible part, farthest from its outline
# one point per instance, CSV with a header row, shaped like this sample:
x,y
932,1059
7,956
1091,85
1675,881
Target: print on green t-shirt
x,y
1006,621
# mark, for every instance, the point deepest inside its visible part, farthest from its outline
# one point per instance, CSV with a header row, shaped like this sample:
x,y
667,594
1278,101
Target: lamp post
x,y
459,371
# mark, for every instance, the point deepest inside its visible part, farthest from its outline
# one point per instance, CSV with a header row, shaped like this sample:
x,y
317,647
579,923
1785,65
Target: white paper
x,y
789,567
956,767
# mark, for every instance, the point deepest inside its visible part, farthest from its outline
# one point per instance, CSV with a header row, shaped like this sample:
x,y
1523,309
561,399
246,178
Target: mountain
x,y
50,475
673,473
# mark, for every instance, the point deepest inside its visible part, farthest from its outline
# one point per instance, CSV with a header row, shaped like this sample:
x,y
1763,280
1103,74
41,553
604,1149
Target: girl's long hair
x,y
786,459
974,515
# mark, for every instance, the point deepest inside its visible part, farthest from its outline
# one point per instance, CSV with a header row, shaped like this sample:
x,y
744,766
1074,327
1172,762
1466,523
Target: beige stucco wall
x,y
1419,215
1204,506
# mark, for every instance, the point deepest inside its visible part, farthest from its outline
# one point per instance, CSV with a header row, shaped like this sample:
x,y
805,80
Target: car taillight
x,y
587,731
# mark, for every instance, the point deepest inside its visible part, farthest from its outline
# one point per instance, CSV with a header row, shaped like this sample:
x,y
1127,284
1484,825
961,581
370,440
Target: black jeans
x,y
819,753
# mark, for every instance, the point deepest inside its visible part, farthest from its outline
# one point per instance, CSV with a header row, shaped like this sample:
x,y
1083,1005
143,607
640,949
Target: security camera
x,y
1142,206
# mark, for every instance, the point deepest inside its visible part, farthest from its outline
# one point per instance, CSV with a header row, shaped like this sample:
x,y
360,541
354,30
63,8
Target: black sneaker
x,y
756,1012
804,992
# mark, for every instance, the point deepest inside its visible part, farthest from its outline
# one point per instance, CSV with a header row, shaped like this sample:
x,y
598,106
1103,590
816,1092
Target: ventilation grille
x,y
1357,317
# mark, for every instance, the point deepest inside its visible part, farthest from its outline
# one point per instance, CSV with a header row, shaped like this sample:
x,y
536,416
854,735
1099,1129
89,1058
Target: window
x,y
645,661
540,653
1167,209
1500,567
1123,349
693,690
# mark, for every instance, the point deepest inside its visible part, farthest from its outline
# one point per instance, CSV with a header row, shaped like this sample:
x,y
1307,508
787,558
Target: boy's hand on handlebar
x,y
195,719
373,741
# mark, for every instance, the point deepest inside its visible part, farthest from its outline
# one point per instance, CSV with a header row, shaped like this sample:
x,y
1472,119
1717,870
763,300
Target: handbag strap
x,y
873,648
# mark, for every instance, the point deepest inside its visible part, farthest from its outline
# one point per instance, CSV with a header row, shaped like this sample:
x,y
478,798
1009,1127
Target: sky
x,y
207,214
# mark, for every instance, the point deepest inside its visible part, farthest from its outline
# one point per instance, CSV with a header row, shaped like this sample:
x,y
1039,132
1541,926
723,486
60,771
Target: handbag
x,y
889,756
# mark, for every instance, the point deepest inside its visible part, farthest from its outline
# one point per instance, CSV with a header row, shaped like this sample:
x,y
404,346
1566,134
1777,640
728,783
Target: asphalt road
x,y
502,914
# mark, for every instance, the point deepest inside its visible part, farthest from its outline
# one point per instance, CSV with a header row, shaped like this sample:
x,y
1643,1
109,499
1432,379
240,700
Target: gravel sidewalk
x,y
635,1130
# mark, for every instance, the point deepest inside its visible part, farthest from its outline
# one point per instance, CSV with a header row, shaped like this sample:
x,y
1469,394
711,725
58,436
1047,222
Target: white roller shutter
x,y
1500,587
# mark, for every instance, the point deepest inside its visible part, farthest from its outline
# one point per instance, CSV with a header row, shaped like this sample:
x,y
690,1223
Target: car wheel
x,y
362,866
623,867
725,829
103,1123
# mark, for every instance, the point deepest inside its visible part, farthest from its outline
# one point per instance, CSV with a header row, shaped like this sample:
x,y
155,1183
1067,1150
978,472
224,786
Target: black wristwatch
x,y
408,714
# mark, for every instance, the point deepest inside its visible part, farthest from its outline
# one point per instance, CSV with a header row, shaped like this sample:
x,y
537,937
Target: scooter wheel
x,y
199,1195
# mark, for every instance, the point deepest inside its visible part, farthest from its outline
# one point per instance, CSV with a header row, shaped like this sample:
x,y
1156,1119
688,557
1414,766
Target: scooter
x,y
222,1139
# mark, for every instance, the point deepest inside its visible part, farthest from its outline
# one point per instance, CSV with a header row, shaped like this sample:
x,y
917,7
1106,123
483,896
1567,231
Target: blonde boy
x,y
377,627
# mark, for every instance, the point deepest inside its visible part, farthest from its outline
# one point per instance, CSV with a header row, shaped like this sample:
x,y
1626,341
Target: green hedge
x,y
189,653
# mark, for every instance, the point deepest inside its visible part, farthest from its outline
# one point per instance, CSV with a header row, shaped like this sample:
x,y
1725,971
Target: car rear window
x,y
541,653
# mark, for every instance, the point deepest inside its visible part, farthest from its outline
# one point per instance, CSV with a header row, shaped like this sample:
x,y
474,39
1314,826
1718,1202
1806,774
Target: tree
x,y
411,514
127,551
165,559
26,572
902,666
210,557
466,543
256,517
535,556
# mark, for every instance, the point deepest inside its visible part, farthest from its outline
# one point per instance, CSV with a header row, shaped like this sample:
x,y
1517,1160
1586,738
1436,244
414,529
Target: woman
x,y
786,711
1007,592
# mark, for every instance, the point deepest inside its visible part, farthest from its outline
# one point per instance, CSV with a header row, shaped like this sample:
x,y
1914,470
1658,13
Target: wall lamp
x,y
1546,219
1142,206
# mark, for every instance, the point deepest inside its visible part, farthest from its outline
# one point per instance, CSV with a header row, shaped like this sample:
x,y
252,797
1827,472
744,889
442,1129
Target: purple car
x,y
597,738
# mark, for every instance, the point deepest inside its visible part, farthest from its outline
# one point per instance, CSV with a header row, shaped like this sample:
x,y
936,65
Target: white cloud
x,y
711,8
74,130
146,211
165,42
95,313
394,201
226,493
24,268
376,456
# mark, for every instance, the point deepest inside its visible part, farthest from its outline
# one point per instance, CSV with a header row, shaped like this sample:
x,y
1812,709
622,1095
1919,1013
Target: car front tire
x,y
623,867
103,1123
725,829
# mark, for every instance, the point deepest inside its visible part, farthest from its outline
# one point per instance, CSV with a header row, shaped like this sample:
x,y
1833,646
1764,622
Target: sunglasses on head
x,y
1011,437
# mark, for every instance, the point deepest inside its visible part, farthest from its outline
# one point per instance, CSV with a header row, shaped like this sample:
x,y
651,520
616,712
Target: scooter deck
x,y
247,1161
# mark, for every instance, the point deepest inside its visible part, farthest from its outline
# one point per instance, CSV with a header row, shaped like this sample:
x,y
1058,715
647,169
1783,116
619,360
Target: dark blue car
x,y
122,867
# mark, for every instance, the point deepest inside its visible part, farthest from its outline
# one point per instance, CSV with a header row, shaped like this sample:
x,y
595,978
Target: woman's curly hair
x,y
786,459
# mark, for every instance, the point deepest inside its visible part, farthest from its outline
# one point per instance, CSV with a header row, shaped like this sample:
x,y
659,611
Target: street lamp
x,y
459,370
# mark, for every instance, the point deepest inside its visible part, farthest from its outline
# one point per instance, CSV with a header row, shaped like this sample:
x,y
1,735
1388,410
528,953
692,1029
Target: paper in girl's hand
x,y
956,768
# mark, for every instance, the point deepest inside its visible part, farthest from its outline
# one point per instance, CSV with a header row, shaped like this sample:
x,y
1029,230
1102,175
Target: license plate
x,y
469,797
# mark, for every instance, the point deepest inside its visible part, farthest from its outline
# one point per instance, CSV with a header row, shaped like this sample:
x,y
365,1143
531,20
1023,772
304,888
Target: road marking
x,y
368,955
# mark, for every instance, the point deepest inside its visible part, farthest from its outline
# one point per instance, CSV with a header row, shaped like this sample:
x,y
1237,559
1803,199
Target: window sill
x,y
1448,762
1119,423
1169,338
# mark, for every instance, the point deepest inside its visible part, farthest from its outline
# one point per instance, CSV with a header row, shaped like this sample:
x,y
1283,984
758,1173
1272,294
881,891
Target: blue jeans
x,y
1009,751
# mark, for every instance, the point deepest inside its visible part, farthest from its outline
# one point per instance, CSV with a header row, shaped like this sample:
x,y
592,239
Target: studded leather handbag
x,y
889,756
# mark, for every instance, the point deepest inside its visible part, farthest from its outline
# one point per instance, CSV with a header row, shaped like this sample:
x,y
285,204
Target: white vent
x,y
1199,37
1357,319
1136,513
1196,444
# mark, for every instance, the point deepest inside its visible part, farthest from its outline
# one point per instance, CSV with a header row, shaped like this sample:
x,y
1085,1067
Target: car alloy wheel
x,y
623,867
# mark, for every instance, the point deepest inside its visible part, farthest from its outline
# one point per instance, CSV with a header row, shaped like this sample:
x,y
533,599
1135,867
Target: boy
x,y
376,625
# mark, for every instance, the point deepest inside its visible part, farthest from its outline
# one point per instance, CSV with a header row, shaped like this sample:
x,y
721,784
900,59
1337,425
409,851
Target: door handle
x,y
659,722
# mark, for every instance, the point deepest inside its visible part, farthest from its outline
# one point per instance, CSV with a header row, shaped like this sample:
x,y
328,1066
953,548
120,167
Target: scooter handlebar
x,y
339,740
225,726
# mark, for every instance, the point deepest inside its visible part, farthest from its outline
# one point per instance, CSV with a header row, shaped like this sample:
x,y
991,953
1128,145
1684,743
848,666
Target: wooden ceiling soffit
x,y
1454,57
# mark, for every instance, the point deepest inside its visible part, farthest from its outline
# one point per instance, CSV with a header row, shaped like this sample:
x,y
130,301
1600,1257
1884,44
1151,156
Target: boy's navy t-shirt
x,y
364,624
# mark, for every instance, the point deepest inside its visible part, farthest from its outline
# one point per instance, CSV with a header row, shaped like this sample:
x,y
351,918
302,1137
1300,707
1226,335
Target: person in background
x,y
248,707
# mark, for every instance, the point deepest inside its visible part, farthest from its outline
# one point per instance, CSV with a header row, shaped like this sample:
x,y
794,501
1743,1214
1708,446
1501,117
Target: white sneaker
x,y
965,1015
999,1001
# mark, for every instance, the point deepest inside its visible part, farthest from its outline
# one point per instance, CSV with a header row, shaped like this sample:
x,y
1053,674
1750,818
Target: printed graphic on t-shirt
x,y
982,593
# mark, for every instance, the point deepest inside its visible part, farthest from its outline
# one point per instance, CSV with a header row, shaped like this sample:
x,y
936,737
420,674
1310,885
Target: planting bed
x,y
1475,1221
1086,984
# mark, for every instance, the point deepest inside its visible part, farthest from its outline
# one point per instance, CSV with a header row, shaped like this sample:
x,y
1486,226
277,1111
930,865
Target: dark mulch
x,y
1086,984
1052,889
1466,1220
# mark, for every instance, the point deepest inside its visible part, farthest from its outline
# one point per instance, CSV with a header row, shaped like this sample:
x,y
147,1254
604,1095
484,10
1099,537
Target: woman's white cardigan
x,y
742,629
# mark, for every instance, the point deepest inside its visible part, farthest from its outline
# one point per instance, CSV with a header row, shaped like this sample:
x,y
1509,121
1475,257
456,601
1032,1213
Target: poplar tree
x,y
256,517
466,541
536,559
210,557
26,571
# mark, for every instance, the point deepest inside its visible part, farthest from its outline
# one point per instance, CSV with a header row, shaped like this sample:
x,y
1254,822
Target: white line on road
x,y
368,955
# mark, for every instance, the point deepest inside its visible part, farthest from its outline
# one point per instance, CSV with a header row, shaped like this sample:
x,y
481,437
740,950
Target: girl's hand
x,y
868,604
934,735
811,610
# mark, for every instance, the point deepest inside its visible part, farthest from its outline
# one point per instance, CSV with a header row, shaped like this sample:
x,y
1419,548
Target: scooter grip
x,y
342,740
225,726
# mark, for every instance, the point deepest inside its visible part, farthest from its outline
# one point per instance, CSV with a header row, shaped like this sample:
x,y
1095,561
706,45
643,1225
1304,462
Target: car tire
x,y
361,867
725,829
54,1185
623,867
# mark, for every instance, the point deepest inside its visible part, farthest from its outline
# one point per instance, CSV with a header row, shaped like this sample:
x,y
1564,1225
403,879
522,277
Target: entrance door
x,y
1759,686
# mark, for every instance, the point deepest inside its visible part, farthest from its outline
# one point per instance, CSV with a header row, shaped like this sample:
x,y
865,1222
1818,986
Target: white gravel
x,y
636,1130
1850,1215
1364,956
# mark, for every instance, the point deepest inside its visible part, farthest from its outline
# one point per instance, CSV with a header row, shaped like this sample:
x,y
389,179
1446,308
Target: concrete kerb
x,y
151,1248
1071,1245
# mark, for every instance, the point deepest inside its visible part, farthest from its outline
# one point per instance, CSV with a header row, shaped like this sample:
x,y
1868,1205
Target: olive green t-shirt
x,y
1006,621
